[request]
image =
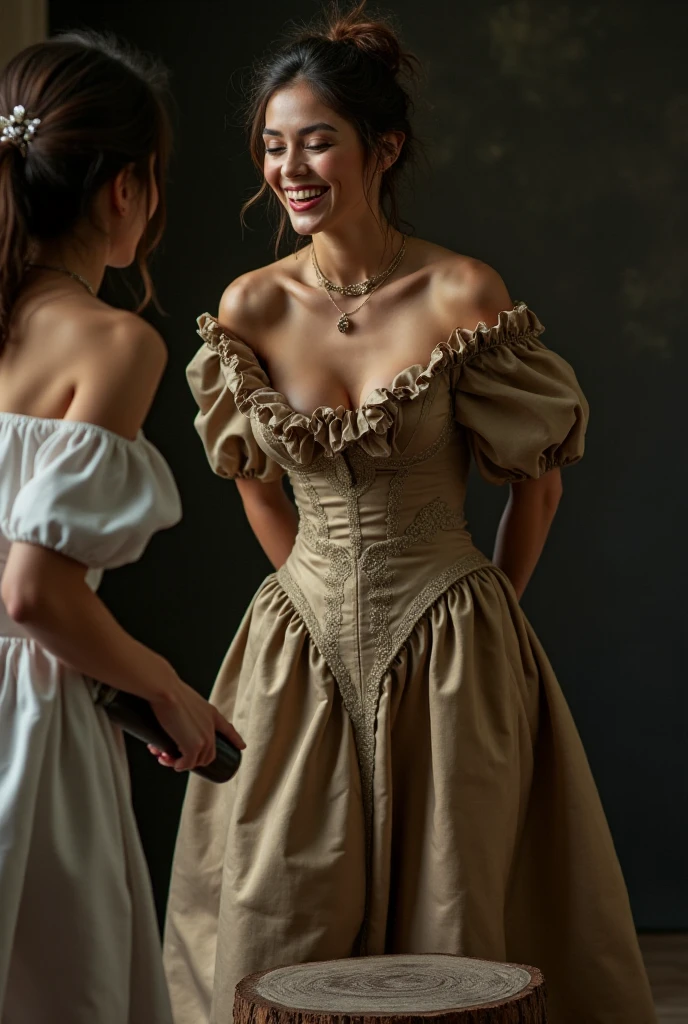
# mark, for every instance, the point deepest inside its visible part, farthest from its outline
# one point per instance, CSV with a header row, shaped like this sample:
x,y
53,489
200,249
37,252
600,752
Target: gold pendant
x,y
343,323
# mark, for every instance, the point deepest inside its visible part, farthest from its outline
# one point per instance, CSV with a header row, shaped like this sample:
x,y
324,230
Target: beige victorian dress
x,y
413,780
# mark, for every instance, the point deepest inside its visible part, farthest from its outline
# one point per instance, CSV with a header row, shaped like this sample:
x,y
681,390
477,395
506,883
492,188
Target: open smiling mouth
x,y
301,199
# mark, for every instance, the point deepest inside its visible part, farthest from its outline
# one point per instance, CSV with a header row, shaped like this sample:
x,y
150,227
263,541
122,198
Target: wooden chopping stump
x,y
405,989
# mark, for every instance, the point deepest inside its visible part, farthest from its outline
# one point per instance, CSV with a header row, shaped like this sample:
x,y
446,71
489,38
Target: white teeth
x,y
306,193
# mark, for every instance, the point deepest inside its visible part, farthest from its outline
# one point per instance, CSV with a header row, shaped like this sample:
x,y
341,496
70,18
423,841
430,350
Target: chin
x,y
305,231
306,226
120,261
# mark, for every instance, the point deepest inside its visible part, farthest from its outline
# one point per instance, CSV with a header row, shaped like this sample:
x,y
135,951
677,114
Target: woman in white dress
x,y
84,140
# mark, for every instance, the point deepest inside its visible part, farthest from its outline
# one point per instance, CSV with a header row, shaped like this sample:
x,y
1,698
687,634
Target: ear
x,y
391,145
122,190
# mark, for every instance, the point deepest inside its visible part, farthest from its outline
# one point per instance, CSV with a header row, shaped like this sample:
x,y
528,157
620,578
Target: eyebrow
x,y
319,127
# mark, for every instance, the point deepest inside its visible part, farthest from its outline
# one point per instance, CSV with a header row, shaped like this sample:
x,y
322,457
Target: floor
x,y
666,959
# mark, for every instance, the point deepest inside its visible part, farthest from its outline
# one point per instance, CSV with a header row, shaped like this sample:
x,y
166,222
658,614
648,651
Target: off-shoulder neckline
x,y
371,425
51,421
461,340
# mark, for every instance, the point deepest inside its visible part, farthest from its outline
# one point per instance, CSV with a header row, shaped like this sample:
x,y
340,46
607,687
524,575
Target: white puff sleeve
x,y
94,496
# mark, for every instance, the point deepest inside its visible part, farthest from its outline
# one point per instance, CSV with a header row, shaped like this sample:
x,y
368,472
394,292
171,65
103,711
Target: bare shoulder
x,y
94,333
466,290
124,342
131,342
254,302
118,361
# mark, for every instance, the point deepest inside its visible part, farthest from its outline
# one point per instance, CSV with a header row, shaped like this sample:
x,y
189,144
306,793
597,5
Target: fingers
x,y
209,756
228,730
194,730
185,763
166,760
198,756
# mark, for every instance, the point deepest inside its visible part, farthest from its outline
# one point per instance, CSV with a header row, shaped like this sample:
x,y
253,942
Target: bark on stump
x,y
394,990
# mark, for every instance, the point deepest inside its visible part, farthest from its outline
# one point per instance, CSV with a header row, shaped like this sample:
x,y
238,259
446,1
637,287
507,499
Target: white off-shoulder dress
x,y
78,935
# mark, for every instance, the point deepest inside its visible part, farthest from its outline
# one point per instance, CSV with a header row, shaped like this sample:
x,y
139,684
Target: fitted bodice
x,y
378,536
427,468
380,489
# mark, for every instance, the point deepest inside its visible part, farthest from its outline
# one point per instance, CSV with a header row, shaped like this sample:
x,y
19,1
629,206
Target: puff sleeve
x,y
226,432
520,403
94,496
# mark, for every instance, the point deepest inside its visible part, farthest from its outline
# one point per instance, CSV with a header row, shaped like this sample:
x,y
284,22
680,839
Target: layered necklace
x,y
69,273
367,287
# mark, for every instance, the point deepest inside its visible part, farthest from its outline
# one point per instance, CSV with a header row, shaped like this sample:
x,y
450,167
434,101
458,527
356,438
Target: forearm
x,y
272,517
60,612
524,527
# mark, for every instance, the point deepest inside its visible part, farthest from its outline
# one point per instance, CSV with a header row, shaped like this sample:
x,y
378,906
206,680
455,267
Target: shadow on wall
x,y
576,82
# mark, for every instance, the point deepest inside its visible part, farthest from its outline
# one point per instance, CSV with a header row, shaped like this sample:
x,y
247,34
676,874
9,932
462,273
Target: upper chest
x,y
314,364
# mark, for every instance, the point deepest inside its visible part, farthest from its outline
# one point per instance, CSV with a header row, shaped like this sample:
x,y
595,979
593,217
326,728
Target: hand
x,y
192,723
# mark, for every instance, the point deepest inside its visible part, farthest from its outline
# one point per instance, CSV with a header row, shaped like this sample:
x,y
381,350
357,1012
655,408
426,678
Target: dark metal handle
x,y
135,716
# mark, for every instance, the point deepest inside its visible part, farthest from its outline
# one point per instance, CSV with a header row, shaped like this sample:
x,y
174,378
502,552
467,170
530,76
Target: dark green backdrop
x,y
557,137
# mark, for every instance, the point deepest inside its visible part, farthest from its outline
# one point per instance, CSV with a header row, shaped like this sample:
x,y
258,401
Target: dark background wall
x,y
557,137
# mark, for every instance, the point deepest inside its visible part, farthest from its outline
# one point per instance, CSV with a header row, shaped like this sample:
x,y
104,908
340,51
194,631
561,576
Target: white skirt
x,y
79,940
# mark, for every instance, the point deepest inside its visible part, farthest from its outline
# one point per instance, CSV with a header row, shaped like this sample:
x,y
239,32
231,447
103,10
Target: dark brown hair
x,y
101,107
355,66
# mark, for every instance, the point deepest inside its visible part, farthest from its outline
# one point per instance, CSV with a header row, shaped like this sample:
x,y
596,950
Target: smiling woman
x,y
413,780
317,138
369,94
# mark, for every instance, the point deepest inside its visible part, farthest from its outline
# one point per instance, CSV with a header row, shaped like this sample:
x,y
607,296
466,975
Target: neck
x,y
88,262
355,252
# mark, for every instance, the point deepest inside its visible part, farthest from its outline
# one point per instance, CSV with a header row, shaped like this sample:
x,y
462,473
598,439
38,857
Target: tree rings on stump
x,y
407,989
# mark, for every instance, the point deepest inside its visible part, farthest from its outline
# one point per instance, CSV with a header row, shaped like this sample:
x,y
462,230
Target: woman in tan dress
x,y
413,780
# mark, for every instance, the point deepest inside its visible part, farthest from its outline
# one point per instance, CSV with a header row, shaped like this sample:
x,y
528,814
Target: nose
x,y
294,165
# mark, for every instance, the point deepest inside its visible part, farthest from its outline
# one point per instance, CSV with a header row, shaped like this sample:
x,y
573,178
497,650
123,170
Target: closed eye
x,y
317,148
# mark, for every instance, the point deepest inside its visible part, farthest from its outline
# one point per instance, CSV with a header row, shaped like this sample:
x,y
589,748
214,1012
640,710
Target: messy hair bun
x,y
374,38
356,66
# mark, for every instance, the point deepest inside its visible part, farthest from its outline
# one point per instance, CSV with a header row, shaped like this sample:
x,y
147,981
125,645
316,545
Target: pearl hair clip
x,y
18,128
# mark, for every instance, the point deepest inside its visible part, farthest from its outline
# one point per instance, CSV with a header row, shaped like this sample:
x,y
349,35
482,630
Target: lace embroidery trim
x,y
434,516
341,567
350,475
431,593
407,461
363,716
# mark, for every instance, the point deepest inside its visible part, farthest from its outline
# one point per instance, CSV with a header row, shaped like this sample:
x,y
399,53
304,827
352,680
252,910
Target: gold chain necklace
x,y
363,287
69,273
367,287
343,324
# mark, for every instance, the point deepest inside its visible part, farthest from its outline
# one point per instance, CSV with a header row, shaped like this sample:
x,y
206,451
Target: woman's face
x,y
314,161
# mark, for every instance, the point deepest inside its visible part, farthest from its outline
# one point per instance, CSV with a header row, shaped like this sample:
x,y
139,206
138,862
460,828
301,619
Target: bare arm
x,y
272,516
47,592
524,526
476,295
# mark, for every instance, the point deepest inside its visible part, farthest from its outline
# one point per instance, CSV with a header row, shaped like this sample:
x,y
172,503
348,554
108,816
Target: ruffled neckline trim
x,y
372,425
